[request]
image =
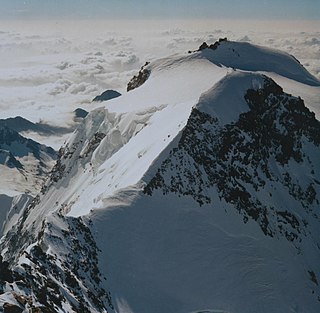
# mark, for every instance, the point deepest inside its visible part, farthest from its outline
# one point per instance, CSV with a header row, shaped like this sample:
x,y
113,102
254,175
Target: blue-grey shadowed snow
x,y
162,257
107,95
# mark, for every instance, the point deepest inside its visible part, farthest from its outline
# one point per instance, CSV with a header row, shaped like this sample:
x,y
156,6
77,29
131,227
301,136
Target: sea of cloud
x,y
50,68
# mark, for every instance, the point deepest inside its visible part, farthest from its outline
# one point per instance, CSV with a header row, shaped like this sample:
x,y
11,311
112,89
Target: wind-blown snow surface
x,y
200,188
165,254
241,55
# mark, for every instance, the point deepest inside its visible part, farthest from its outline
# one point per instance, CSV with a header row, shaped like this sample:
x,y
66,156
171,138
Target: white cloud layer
x,y
48,70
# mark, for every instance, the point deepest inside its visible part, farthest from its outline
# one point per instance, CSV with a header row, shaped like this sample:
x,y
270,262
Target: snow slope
x,y
117,144
198,191
163,254
166,253
243,56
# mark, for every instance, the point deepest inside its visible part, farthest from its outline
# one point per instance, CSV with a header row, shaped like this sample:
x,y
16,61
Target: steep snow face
x,y
250,158
130,141
229,214
173,80
137,137
116,145
249,57
225,100
163,253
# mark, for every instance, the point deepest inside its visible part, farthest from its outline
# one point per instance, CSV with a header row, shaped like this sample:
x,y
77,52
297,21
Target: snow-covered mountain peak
x,y
196,72
198,188
249,57
225,100
192,75
267,135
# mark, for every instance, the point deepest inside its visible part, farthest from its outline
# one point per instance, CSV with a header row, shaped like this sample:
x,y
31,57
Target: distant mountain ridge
x,y
21,124
24,162
20,146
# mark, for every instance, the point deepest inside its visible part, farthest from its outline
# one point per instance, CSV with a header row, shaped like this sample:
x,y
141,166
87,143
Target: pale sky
x,y
242,9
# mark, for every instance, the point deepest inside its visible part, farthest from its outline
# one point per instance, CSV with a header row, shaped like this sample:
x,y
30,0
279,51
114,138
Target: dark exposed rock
x,y
5,272
223,39
42,309
107,95
313,277
212,46
58,170
11,308
80,113
94,143
49,280
17,238
203,46
140,79
22,300
233,156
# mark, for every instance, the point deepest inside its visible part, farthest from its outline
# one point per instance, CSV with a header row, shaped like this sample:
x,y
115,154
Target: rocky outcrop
x,y
140,79
80,114
107,95
213,46
244,159
67,279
